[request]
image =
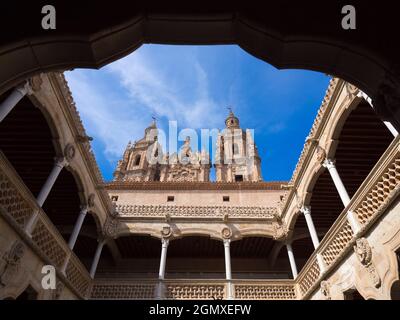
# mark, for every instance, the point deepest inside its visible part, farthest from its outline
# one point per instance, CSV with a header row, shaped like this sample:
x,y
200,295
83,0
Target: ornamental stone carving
x,y
321,154
166,232
196,211
69,152
90,200
36,82
110,227
280,230
11,262
226,233
363,252
352,90
325,290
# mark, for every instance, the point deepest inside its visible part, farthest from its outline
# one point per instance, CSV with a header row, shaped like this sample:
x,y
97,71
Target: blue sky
x,y
194,85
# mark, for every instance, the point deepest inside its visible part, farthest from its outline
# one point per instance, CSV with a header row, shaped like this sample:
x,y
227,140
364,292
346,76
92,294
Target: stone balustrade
x,y
17,205
184,289
375,194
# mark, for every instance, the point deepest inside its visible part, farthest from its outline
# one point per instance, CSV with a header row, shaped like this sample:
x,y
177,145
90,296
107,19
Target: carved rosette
x,y
363,252
10,264
166,232
226,233
325,290
110,227
69,152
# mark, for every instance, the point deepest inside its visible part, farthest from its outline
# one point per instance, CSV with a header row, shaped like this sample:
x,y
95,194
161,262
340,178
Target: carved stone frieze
x,y
10,264
196,211
363,252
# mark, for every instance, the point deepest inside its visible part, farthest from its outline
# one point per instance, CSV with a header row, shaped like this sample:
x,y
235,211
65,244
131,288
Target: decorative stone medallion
x,y
226,233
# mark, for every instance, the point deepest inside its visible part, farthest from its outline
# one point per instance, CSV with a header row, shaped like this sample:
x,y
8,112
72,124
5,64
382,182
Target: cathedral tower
x,y
237,156
139,162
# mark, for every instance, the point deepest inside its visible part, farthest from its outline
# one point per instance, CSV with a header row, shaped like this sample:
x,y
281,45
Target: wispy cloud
x,y
160,91
107,121
116,103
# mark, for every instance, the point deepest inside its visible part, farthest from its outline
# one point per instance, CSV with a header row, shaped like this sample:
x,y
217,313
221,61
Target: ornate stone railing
x,y
18,204
322,115
196,211
147,289
375,194
264,289
189,289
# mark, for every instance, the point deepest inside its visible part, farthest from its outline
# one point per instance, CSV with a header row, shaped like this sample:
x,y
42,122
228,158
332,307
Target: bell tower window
x,y
137,160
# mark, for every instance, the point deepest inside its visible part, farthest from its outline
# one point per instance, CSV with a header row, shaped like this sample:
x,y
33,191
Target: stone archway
x,y
287,35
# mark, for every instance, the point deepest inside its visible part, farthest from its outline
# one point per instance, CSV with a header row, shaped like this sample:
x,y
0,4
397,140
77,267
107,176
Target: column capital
x,y
305,209
226,242
61,162
164,242
84,209
329,164
24,88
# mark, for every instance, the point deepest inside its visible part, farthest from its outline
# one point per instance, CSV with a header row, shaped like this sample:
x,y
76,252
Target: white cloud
x,y
116,102
102,119
158,90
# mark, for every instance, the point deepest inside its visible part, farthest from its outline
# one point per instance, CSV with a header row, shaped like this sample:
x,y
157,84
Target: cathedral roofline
x,y
209,185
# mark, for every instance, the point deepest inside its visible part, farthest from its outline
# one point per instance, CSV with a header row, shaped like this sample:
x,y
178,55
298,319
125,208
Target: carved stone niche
x,y
363,252
226,233
10,263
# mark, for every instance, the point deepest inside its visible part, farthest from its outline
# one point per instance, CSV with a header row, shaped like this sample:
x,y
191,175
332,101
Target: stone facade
x,y
170,202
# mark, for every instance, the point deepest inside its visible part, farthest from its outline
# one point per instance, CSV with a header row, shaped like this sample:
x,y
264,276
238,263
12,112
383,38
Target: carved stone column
x,y
97,255
59,164
292,261
226,235
77,227
310,225
12,100
344,196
